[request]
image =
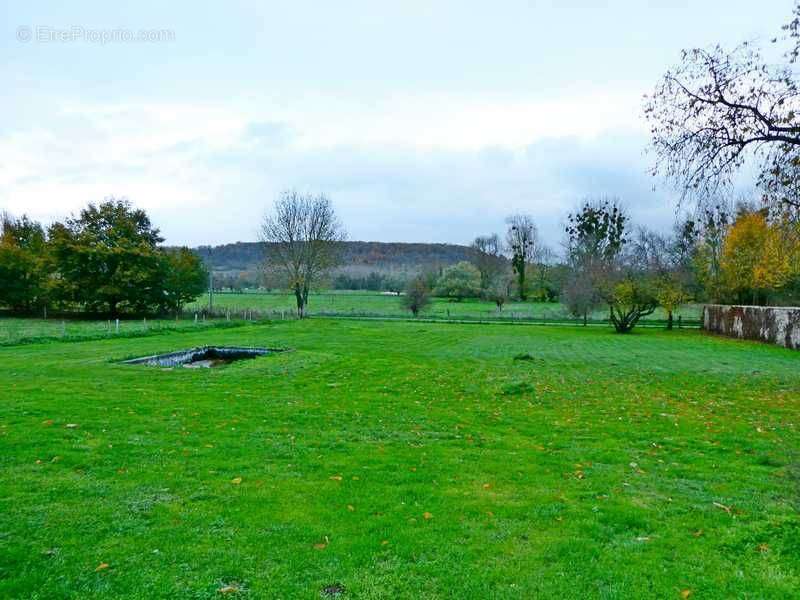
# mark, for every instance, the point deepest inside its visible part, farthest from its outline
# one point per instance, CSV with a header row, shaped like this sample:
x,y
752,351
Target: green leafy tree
x,y
670,293
23,263
462,280
107,258
184,278
629,300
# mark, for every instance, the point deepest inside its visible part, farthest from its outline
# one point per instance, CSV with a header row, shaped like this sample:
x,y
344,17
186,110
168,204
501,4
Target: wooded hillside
x,y
376,256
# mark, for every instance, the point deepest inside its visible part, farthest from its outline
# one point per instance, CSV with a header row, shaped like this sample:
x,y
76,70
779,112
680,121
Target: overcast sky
x,y
422,120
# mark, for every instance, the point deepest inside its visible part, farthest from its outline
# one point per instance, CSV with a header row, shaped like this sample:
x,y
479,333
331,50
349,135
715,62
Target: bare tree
x,y
602,270
302,238
499,289
488,257
579,295
417,297
522,239
718,111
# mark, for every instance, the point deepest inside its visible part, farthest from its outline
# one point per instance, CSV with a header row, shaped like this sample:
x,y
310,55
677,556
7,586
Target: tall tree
x,y
710,229
756,257
660,257
596,243
184,278
595,237
596,232
488,258
302,239
108,257
720,110
522,240
23,263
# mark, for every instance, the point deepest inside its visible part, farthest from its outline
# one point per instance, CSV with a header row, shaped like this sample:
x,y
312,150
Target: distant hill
x,y
360,258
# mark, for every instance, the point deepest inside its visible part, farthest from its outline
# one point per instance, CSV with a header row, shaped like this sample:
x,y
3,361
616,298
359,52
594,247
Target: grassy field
x,y
402,460
14,330
365,303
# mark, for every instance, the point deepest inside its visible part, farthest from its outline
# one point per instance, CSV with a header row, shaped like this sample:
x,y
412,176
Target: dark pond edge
x,y
191,355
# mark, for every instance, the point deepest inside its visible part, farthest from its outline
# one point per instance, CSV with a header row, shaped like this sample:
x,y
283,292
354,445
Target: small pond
x,y
203,357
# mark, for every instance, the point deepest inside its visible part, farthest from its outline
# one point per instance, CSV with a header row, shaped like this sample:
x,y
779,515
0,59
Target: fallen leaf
x,y
351,508
763,548
686,593
698,533
236,480
101,567
427,516
727,509
486,486
322,545
385,543
47,423
335,477
228,589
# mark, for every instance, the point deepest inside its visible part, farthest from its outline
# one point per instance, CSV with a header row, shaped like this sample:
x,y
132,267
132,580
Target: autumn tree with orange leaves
x,y
759,257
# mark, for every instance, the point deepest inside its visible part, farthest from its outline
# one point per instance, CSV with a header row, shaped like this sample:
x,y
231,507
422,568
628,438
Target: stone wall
x,y
772,324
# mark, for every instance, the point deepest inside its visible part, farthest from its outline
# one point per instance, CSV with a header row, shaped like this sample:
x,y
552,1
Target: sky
x,y
423,121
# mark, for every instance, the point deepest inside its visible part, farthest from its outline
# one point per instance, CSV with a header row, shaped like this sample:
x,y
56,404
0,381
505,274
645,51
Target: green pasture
x,y
402,460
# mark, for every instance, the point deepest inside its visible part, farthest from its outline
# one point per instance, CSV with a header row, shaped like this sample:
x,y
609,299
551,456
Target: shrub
x,y
462,280
417,297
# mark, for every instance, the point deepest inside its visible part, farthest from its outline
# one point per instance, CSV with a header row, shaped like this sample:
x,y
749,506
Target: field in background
x,y
16,330
259,305
402,460
374,304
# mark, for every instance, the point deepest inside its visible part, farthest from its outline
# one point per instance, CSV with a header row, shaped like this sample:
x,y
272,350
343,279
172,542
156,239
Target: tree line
x,y
107,259
608,263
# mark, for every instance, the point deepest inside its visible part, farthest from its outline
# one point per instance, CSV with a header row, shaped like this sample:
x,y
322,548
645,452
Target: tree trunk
x,y
585,318
305,299
298,296
669,319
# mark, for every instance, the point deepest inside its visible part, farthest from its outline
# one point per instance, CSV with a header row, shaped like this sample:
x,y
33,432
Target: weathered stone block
x,y
773,324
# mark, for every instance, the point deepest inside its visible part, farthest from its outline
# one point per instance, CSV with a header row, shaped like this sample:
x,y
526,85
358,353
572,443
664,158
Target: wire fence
x,y
253,314
14,331
75,327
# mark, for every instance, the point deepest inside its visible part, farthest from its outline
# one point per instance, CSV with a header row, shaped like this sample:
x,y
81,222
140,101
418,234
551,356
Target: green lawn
x,y
366,303
402,460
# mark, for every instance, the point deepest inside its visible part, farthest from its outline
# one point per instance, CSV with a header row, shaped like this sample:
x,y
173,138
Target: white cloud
x,y
423,167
